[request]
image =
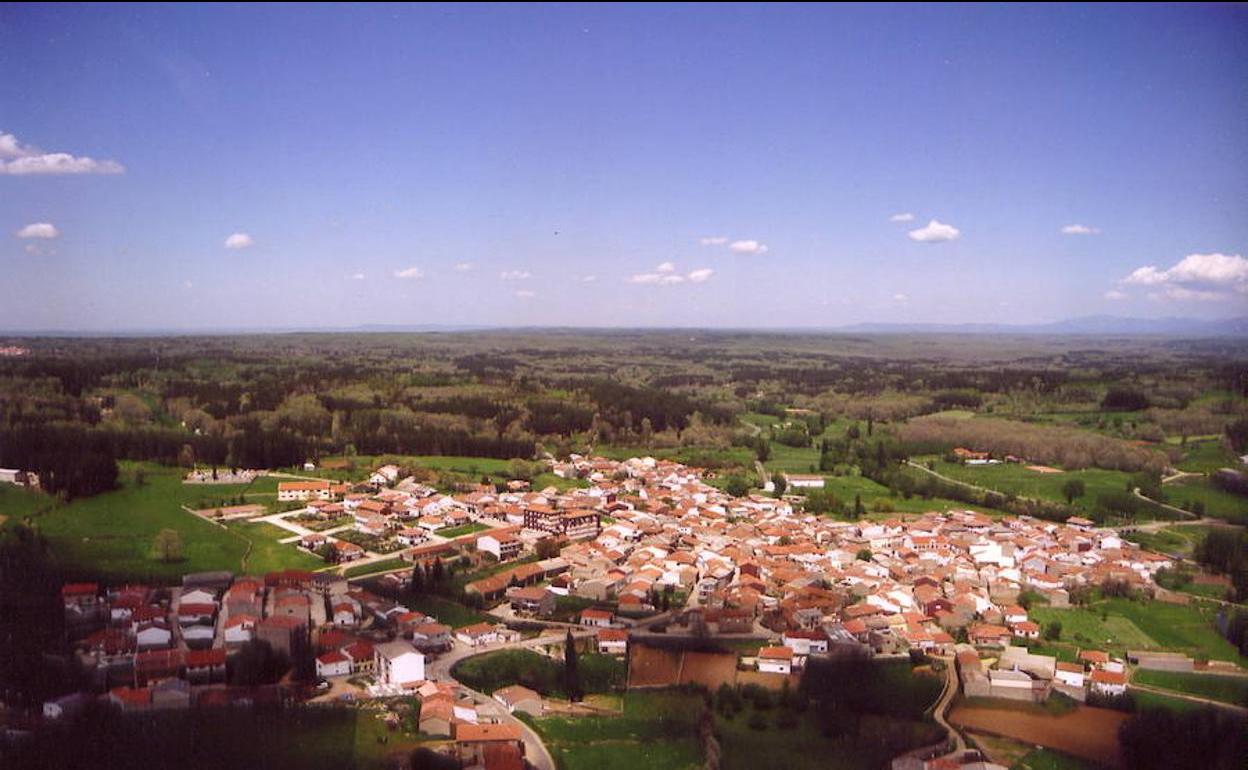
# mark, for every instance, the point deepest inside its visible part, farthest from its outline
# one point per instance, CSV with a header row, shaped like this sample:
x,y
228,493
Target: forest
x,y
75,406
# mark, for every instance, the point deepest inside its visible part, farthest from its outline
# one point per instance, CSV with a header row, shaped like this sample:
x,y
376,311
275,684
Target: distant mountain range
x,y
1093,325
1090,325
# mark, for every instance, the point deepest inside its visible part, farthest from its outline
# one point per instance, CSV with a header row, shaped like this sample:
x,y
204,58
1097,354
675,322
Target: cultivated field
x,y
1086,732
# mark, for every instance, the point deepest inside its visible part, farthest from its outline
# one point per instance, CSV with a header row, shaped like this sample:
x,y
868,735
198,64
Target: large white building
x,y
398,663
804,481
503,545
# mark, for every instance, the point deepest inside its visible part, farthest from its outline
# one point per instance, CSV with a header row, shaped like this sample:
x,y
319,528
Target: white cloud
x,y
411,273
701,275
239,241
666,267
1199,277
357,277
660,279
187,284
463,267
39,249
899,297
904,217
515,275
713,240
935,232
19,159
525,293
1114,295
588,278
43,230
1080,230
748,246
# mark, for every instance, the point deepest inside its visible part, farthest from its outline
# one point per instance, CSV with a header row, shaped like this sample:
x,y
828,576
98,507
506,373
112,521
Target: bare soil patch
x,y
1087,732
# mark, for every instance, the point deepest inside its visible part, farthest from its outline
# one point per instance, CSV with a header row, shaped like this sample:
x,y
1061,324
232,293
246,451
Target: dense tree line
x,y
71,460
1200,739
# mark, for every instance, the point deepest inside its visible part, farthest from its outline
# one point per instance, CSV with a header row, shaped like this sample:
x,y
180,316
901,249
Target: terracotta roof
x,y
468,733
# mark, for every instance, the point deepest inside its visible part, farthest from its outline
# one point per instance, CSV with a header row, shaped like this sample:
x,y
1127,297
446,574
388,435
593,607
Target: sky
x,y
215,167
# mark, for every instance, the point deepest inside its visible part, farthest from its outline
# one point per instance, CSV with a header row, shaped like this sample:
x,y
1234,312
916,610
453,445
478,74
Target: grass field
x,y
1207,456
1218,503
1016,479
1140,625
804,746
656,731
1145,700
267,554
385,565
18,502
466,529
446,611
1228,689
110,535
1047,759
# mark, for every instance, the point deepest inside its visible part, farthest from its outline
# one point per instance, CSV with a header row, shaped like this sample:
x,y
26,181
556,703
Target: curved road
x,y
440,670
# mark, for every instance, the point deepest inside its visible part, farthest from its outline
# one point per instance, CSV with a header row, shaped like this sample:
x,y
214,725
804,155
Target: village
x,y
647,549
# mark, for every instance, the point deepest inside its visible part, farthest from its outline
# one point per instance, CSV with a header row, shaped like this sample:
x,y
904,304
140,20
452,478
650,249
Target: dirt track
x,y
1090,733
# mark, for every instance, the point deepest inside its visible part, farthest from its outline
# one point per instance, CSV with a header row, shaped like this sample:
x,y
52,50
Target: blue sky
x,y
638,166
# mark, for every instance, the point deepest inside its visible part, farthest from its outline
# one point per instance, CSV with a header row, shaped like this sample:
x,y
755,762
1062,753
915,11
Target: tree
x,y
858,509
864,554
327,552
780,482
736,486
1053,631
571,676
1072,489
168,545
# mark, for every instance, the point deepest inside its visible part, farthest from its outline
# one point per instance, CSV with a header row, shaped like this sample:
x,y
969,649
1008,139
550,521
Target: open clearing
x,y
1085,732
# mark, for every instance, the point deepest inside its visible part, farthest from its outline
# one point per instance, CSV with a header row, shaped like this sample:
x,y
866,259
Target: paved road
x,y
942,705
440,670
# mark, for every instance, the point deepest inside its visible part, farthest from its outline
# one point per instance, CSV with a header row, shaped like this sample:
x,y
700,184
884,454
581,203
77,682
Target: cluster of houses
x,y
1016,674
150,647
885,587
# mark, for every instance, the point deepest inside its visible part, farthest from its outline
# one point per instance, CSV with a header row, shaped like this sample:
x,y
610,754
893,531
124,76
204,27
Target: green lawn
x,y
1207,456
1228,689
1218,503
385,565
847,487
1140,625
446,611
1168,541
1047,759
806,747
267,554
110,535
466,529
1145,700
17,502
657,731
1016,479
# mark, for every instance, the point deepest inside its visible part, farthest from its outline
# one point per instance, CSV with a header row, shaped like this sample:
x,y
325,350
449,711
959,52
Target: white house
x,y
504,545
333,663
1108,682
239,629
613,641
386,474
477,634
198,596
398,663
152,637
775,660
804,481
1070,674
596,618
